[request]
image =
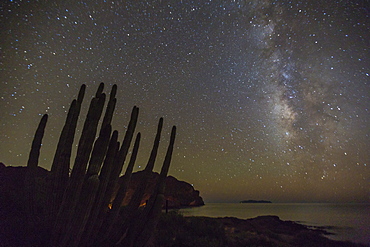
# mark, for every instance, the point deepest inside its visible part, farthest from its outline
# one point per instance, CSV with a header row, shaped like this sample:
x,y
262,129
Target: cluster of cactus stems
x,y
80,210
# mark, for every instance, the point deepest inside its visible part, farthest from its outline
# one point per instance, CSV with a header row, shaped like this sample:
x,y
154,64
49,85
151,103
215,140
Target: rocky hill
x,y
12,185
177,194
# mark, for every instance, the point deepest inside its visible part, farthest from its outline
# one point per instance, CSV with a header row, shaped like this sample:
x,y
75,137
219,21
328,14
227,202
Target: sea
x,y
346,221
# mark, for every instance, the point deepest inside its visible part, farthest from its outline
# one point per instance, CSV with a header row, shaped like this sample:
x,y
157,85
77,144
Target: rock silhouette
x,y
177,193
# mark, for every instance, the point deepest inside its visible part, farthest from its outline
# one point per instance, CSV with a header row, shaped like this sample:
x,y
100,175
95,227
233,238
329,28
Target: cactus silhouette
x,y
142,227
82,208
30,188
61,163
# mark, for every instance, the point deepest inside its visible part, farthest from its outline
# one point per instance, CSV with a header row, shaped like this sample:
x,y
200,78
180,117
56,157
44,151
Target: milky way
x,y
271,98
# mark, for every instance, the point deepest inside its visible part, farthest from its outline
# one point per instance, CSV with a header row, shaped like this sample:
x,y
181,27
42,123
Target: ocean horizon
x,y
346,221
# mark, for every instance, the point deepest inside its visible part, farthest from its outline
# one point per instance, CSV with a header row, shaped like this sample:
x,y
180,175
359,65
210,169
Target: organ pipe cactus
x,y
83,211
78,212
32,167
111,179
73,190
118,200
101,144
144,225
132,210
100,206
61,163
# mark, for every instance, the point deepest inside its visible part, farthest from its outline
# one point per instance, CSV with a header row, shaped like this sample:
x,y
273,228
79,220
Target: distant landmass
x,y
255,201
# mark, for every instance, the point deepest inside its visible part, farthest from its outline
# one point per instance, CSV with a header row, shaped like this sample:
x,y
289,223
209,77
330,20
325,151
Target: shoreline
x,y
347,221
231,231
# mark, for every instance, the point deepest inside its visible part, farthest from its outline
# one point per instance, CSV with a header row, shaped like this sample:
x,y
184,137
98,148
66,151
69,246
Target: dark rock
x,y
12,184
272,231
177,230
177,193
12,201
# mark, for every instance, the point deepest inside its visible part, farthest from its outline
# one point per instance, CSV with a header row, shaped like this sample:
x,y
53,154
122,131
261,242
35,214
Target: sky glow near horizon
x,y
271,98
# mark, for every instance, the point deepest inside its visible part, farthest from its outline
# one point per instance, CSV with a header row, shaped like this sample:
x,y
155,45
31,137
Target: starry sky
x,y
271,98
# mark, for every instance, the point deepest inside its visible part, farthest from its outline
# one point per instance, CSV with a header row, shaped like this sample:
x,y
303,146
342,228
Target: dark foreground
x,y
173,229
176,230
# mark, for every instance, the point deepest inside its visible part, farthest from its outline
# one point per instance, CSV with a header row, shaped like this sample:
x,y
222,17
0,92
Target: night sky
x,y
271,98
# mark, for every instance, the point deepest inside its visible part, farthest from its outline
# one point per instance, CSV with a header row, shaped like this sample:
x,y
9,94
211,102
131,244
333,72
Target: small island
x,y
255,201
